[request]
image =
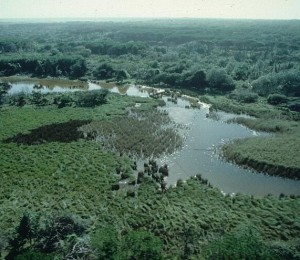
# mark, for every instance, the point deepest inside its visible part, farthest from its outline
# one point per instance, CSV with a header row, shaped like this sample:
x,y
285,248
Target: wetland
x,y
152,140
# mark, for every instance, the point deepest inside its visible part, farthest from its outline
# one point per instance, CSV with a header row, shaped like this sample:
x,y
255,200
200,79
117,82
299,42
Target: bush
x,y
4,87
57,229
106,242
18,99
276,99
244,243
141,245
244,96
3,242
218,79
294,105
63,100
91,98
134,245
34,255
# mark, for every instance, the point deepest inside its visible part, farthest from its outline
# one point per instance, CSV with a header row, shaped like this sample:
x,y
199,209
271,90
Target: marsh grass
x,y
279,155
143,134
267,125
77,177
260,109
275,155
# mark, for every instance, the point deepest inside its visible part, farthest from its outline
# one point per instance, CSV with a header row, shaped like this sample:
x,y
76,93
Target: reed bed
x,y
142,134
279,155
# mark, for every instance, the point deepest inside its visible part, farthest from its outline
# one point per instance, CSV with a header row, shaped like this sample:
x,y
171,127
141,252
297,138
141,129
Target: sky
x,y
248,9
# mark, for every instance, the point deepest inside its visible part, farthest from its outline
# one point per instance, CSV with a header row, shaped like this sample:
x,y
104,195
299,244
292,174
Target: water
x,y
200,155
28,88
204,136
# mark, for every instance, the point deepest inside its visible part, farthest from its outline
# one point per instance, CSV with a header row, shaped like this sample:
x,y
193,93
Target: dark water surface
x,y
203,138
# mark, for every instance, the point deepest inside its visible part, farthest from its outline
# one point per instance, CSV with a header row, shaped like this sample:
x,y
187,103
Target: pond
x,y
203,138
26,85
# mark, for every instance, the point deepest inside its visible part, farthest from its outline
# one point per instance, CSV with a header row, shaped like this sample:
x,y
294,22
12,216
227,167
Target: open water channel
x,y
203,138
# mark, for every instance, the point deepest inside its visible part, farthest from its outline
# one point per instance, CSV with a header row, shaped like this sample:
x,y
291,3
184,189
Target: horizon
x,y
131,19
12,10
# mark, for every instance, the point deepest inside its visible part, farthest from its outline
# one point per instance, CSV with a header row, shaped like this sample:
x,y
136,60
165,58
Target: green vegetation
x,y
70,188
143,134
268,154
275,155
54,174
196,54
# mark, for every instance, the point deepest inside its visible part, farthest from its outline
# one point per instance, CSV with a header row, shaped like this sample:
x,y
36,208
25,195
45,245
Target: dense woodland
x,y
254,57
61,196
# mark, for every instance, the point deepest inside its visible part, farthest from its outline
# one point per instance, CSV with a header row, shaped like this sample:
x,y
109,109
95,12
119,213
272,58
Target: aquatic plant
x,y
143,134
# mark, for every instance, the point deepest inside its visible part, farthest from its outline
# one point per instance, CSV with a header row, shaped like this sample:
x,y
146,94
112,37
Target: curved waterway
x,y
203,137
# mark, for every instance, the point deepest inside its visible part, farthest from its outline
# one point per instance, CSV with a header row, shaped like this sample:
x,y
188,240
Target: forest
x,y
62,169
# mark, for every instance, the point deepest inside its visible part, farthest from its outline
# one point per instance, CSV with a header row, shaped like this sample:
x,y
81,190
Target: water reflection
x,y
203,135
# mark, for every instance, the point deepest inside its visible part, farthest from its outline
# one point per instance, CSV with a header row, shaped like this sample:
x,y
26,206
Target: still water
x,y
203,138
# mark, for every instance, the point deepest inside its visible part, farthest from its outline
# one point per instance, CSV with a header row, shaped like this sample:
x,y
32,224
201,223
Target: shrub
x,y
57,229
106,243
4,87
34,255
244,96
38,98
294,105
220,80
243,243
276,99
18,100
63,100
91,98
141,245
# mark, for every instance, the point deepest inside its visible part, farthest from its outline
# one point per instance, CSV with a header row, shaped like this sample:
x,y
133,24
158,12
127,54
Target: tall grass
x,y
143,134
279,155
77,177
276,155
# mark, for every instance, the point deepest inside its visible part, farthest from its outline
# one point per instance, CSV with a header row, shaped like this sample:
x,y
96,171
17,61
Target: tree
x,y
121,75
106,242
78,69
218,79
4,87
25,233
241,72
104,71
59,228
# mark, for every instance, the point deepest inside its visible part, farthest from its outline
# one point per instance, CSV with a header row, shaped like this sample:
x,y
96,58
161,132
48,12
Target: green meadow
x,y
62,173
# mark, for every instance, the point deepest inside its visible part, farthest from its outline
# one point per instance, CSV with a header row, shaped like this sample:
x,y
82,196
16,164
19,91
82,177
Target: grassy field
x,y
275,155
76,176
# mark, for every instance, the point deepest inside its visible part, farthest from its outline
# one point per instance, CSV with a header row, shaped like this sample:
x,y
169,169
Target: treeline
x,y
259,56
72,67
